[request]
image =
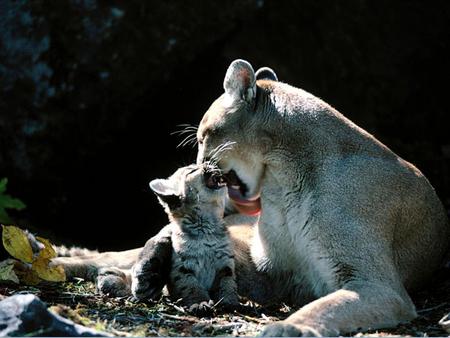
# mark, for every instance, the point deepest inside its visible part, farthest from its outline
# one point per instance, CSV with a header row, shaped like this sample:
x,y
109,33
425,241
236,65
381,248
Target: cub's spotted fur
x,y
202,266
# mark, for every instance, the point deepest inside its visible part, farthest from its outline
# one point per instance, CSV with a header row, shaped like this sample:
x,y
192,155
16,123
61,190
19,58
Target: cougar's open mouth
x,y
237,190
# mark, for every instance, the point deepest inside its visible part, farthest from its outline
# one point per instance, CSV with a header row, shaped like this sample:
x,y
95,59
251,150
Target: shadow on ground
x,y
79,302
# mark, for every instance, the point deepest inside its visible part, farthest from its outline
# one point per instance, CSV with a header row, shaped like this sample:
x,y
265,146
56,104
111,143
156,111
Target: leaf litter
x,y
78,301
30,267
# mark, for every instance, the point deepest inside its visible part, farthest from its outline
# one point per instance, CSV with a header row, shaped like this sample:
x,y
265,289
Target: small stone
x,y
27,315
445,322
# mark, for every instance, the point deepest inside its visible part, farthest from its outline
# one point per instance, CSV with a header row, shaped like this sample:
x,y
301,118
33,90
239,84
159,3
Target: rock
x,y
27,315
445,322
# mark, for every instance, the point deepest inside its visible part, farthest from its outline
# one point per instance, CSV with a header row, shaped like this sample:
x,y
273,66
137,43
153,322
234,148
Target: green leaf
x,y
7,271
3,183
9,202
4,218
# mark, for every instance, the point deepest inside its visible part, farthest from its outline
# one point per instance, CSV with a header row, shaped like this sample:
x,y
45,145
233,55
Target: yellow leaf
x,y
25,274
42,267
30,278
7,271
48,251
16,243
49,273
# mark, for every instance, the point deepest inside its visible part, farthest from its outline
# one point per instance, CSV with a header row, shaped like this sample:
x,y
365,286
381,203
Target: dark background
x,y
91,90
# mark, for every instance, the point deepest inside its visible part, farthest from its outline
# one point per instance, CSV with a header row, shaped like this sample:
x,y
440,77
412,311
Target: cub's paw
x,y
229,306
147,281
202,309
284,329
112,282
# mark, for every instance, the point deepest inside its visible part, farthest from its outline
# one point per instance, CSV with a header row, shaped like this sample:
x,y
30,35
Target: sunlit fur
x,y
345,222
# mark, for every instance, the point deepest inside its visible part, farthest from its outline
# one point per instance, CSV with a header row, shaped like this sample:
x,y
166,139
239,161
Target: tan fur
x,y
344,220
110,270
347,226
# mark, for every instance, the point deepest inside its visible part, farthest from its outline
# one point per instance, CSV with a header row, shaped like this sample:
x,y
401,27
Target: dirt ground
x,y
121,317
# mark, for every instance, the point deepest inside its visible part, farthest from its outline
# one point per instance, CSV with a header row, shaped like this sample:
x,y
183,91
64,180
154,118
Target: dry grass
x,y
122,317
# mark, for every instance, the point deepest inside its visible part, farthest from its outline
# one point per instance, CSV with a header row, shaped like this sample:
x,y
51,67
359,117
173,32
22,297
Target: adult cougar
x,y
345,226
352,224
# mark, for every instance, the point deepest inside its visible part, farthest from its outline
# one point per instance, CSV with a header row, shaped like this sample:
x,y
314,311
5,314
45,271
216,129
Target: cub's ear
x,y
240,82
266,73
165,192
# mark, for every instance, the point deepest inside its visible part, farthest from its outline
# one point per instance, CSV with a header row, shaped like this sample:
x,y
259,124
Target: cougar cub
x,y
202,268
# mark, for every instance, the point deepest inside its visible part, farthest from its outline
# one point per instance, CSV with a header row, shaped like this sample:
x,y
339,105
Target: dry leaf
x,y
25,274
48,251
49,273
41,264
16,243
30,278
7,271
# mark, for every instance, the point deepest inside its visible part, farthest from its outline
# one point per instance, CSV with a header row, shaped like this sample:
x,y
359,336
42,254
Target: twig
x,y
431,308
252,319
176,317
76,294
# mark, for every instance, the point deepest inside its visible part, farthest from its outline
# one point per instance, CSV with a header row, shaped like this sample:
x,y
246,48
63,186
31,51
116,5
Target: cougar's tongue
x,y
251,207
244,206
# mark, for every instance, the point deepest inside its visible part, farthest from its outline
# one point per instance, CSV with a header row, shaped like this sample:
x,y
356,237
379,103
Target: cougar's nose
x,y
201,158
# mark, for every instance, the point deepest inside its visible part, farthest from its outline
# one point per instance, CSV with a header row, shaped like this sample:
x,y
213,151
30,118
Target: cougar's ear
x,y
240,82
165,192
266,73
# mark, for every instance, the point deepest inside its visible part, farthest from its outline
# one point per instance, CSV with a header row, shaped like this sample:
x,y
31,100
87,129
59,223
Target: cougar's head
x,y
230,134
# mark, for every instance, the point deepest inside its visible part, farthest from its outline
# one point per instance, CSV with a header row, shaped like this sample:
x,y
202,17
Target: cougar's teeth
x,y
235,187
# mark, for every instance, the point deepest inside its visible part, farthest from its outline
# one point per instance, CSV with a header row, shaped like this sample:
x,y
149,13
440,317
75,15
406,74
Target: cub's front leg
x,y
185,285
151,271
227,293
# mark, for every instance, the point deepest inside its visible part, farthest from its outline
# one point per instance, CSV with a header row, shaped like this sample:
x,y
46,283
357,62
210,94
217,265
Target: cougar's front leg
x,y
151,271
358,306
87,266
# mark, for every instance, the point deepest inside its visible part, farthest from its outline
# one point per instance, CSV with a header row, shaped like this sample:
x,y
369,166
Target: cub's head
x,y
231,133
192,192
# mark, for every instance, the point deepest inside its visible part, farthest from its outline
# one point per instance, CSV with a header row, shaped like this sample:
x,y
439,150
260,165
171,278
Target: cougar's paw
x,y
202,309
284,329
146,281
112,282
